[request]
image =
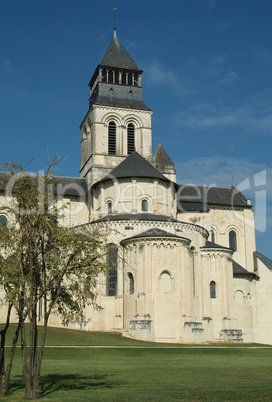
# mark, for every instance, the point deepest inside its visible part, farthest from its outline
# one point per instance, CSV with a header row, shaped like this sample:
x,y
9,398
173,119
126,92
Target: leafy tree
x,y
45,267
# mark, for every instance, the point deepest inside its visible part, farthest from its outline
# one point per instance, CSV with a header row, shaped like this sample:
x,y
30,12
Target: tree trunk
x,y
38,362
3,389
27,377
5,384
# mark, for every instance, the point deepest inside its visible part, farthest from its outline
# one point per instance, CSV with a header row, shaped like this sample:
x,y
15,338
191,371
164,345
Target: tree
x,y
53,267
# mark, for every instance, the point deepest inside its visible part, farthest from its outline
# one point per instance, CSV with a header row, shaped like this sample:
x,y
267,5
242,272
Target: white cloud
x,y
245,119
216,170
157,74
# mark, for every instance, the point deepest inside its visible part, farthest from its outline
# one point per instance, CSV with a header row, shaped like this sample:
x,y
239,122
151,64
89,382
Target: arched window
x,y
124,78
144,205
130,283
104,75
109,208
233,240
212,236
111,283
136,77
213,290
116,77
3,221
130,138
112,138
129,79
110,77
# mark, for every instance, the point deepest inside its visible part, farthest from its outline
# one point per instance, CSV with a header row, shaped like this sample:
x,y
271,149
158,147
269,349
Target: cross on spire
x,y
114,19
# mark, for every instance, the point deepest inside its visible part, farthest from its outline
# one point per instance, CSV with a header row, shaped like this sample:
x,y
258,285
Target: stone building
x,y
184,266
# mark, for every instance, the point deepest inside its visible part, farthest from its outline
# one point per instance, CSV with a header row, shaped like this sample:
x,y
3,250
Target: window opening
x,y
131,283
233,240
110,77
124,78
144,205
212,236
112,138
213,290
130,138
111,283
104,76
129,79
109,208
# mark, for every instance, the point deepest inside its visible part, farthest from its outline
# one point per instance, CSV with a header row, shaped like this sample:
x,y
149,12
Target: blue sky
x,y
207,77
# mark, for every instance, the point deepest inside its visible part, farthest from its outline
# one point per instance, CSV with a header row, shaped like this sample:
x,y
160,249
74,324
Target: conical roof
x,y
162,159
116,56
134,166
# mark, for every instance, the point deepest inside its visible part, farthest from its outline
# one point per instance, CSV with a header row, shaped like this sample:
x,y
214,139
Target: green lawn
x,y
150,374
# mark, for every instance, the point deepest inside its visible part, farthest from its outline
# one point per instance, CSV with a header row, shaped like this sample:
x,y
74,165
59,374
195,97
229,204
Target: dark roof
x,y
156,232
134,166
210,244
185,206
65,186
211,196
137,217
266,261
116,56
238,270
162,160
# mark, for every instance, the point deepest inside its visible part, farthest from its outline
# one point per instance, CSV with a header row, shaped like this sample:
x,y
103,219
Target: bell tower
x,y
117,122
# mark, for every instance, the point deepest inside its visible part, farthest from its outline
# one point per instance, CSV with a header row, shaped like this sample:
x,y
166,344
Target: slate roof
x,y
186,206
238,270
210,244
266,261
134,166
156,232
211,196
162,159
65,186
116,56
137,217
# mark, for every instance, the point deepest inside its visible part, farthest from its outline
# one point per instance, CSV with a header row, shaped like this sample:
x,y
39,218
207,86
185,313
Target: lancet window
x,y
111,282
213,290
233,240
130,138
112,138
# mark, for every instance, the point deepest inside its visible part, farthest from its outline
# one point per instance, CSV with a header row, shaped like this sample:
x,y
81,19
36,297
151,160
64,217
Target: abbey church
x,y
183,261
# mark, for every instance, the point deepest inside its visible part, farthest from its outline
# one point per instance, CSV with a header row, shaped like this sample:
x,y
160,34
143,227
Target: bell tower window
x,y
130,138
124,78
112,138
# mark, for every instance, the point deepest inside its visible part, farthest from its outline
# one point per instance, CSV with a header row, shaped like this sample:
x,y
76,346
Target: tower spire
x,y
114,19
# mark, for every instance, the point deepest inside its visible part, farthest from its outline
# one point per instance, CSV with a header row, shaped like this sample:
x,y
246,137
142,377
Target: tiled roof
x,y
134,166
116,56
